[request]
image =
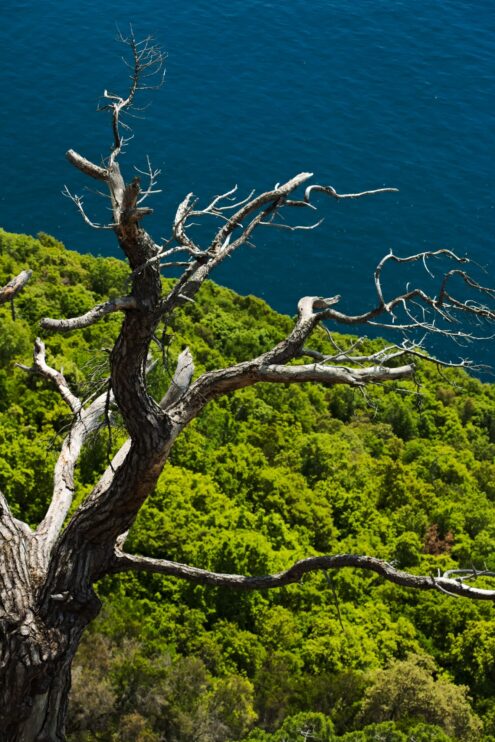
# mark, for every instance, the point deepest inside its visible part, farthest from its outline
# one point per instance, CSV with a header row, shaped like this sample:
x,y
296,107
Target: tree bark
x,y
45,709
39,635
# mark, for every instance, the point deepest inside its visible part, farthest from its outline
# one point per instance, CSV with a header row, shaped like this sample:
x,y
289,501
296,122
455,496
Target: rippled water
x,y
364,94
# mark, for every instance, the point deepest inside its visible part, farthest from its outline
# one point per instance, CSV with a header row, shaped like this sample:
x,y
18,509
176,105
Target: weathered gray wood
x,y
11,289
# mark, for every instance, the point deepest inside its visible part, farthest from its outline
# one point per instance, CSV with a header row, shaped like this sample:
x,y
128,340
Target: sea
x,y
363,93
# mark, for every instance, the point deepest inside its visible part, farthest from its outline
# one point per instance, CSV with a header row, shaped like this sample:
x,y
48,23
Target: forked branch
x,y
78,201
147,63
85,422
41,368
225,381
420,310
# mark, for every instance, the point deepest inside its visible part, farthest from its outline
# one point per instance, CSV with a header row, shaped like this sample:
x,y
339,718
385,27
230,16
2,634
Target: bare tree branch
x,y
78,201
181,379
86,167
292,227
41,368
383,356
152,176
273,198
87,421
14,287
184,210
147,62
222,246
443,306
128,562
253,212
330,191
122,304
213,384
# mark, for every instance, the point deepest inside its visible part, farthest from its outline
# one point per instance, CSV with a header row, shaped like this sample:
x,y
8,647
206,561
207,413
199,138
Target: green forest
x,y
404,472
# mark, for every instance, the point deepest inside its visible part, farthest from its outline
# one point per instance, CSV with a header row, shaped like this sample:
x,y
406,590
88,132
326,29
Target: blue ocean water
x,y
364,94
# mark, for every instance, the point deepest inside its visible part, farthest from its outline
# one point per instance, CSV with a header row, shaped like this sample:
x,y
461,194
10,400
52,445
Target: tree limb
x,y
213,384
14,287
78,201
41,368
147,61
383,356
330,191
253,212
128,562
87,421
222,246
121,304
442,306
86,166
181,379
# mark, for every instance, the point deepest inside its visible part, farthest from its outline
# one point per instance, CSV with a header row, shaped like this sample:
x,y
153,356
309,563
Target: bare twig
x,y
147,62
330,191
152,176
78,201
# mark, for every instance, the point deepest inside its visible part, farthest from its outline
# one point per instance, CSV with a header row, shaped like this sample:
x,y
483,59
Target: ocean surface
x,y
365,94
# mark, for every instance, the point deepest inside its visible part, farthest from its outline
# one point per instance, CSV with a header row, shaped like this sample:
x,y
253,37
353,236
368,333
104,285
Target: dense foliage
x,y
270,475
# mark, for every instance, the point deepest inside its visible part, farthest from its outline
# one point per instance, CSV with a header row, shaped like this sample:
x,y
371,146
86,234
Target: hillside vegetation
x,y
270,475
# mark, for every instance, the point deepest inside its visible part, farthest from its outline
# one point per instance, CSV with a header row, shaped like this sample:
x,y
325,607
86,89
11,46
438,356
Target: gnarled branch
x,y
122,304
128,562
330,191
13,287
41,368
86,422
215,383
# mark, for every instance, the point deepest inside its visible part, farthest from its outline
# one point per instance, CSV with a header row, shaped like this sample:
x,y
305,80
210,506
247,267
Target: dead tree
x,y
47,574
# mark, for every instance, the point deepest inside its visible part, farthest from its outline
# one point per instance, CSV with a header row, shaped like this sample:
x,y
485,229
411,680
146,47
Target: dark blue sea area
x,y
365,94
